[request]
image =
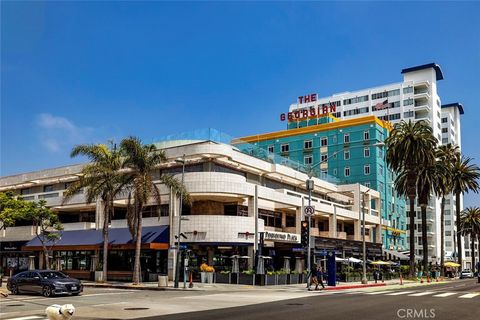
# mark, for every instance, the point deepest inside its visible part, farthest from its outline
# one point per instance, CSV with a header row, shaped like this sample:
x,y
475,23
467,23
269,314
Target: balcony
x,y
18,233
422,106
78,226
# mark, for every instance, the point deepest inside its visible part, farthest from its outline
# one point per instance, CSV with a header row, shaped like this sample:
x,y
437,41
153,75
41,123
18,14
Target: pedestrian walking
x,y
375,275
319,276
312,277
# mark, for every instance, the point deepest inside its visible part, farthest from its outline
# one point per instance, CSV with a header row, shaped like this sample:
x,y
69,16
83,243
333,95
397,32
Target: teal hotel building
x,y
342,152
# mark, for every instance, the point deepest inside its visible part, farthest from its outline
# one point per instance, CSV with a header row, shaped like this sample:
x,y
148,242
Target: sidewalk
x,y
233,287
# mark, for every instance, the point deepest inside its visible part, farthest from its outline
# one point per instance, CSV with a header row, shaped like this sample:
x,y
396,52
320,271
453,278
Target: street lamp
x,y
178,236
364,246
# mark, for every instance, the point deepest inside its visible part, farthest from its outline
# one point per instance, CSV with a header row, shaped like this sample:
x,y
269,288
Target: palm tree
x,y
409,146
142,160
465,177
445,157
470,225
102,180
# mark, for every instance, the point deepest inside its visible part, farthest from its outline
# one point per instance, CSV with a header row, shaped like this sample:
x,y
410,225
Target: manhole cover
x,y
294,304
15,305
136,308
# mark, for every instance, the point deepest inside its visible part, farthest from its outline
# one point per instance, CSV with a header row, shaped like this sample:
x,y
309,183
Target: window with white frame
x,y
324,157
366,135
307,144
323,174
367,184
335,171
323,142
308,159
346,155
285,147
347,171
366,152
271,148
366,169
346,138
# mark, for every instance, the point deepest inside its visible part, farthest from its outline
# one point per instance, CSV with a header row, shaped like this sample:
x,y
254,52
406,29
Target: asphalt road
x,y
454,300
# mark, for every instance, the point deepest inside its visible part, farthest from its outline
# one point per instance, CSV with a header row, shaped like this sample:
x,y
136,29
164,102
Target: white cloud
x,y
60,134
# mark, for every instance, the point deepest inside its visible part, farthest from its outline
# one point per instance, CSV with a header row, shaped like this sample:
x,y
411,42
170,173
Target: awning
x,y
119,238
396,254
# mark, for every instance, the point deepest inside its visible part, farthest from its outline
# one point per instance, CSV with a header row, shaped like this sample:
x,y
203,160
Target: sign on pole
x,y
309,210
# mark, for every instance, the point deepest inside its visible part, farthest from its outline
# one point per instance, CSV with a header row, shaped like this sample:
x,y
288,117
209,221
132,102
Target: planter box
x,y
293,279
270,280
246,279
281,279
234,278
260,279
222,277
99,276
206,277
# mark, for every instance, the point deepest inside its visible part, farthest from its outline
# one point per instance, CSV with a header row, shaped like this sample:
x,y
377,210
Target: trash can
x,y
163,281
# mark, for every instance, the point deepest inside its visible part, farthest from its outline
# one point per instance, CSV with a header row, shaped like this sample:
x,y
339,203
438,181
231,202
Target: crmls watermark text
x,y
408,313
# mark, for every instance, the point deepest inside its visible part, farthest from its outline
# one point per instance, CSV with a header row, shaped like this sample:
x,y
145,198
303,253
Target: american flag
x,y
381,105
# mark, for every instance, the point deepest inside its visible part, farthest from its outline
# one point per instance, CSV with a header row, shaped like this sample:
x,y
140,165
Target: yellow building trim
x,y
394,230
312,129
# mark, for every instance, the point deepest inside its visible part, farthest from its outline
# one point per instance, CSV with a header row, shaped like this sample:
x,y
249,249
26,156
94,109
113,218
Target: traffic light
x,y
305,234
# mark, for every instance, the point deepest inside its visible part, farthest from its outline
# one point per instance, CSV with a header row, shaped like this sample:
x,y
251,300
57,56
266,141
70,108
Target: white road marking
x,y
446,294
379,292
104,294
421,294
27,318
470,295
399,293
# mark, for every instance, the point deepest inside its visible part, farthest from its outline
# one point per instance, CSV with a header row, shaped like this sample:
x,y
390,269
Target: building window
x,y
380,169
448,243
307,144
335,171
25,191
324,157
366,152
271,149
407,90
347,171
444,140
444,130
408,102
444,120
355,100
308,159
346,138
448,233
346,155
366,135
408,114
48,188
447,212
367,184
323,142
323,174
366,169
448,222
285,147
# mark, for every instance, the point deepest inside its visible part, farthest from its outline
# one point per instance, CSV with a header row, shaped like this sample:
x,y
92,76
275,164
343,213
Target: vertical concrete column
x,y
357,230
298,220
210,253
378,233
332,228
284,219
253,212
99,217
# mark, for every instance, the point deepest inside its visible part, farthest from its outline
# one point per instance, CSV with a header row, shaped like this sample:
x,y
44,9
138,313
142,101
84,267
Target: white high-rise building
x,y
415,98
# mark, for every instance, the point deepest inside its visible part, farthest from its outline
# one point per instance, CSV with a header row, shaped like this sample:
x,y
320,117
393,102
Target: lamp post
x,y
364,245
310,186
177,258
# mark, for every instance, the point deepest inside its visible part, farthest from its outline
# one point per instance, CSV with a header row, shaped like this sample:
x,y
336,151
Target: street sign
x,y
309,210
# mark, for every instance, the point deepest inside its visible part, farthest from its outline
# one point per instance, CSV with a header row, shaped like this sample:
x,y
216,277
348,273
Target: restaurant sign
x,y
281,237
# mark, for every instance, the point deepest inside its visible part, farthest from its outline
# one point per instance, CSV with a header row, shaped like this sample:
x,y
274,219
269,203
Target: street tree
x,y
12,208
470,225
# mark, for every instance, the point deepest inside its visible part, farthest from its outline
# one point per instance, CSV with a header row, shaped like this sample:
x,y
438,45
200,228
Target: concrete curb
x,y
129,287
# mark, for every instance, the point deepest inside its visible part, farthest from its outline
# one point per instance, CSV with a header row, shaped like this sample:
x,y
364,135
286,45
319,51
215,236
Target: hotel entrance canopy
x,y
156,238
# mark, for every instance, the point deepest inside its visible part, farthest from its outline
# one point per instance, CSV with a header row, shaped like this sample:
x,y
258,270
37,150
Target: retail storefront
x,y
77,252
12,258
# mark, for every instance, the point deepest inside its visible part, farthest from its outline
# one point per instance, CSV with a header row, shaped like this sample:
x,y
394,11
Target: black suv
x,y
46,282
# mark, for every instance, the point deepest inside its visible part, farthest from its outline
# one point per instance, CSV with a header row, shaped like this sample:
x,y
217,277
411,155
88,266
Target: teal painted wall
x,y
379,178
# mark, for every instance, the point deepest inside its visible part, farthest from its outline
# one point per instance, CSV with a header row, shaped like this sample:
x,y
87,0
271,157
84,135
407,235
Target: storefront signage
x,y
318,111
281,237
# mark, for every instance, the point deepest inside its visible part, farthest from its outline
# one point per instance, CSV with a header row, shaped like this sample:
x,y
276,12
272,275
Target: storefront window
x,y
74,260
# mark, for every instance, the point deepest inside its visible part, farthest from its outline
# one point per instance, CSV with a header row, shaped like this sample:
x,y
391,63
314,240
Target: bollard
x,y
428,279
401,280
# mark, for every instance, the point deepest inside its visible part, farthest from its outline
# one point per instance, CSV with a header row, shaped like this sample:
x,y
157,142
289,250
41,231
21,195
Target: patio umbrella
x,y
337,259
451,264
354,260
380,262
235,265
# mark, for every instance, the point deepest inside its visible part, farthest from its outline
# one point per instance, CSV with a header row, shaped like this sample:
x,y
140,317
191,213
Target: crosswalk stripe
x,y
379,292
399,293
446,294
470,295
27,318
421,294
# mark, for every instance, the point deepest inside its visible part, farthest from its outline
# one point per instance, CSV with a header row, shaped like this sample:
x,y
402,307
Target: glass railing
x,y
210,134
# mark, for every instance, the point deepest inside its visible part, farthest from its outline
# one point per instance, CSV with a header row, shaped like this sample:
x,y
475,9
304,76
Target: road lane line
x,y
446,294
469,295
421,294
379,292
399,293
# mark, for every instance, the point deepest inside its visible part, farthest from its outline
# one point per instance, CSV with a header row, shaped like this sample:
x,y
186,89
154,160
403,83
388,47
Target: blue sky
x,y
77,72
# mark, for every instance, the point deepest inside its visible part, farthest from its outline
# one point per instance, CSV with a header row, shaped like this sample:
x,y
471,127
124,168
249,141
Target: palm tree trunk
x,y
442,236
138,246
472,243
412,236
106,220
459,235
424,238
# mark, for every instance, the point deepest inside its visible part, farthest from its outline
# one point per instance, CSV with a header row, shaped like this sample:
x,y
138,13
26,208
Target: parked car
x,y
466,274
46,282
